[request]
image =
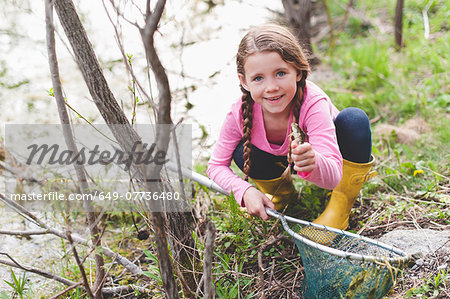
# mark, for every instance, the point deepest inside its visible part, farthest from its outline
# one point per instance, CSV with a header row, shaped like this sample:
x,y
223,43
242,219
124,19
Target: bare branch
x,y
112,263
153,17
121,289
398,24
71,284
93,76
132,268
330,24
124,56
80,265
15,264
346,15
23,178
208,259
162,140
24,233
117,10
66,290
70,141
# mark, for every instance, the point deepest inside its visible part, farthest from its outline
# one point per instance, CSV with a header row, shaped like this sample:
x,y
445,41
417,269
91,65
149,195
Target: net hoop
x,y
403,257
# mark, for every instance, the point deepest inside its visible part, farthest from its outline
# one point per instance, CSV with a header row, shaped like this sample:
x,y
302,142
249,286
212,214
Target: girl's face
x,y
271,81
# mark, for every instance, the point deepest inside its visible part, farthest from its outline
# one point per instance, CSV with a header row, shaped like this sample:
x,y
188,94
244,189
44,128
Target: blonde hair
x,y
269,38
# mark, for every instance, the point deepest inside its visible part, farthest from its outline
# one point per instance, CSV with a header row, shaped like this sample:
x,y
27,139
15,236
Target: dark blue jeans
x,y
353,135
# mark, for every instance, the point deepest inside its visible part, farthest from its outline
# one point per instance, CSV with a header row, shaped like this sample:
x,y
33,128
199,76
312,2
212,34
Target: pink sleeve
x,y
319,127
219,164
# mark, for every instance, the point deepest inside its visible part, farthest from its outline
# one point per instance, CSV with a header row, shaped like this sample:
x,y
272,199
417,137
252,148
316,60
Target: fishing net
x,y
340,264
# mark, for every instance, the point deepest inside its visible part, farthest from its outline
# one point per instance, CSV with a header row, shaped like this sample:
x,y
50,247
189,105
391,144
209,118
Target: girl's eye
x,y
257,79
281,74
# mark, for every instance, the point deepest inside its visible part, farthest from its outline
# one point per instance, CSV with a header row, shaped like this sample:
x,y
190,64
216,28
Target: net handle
x,y
365,258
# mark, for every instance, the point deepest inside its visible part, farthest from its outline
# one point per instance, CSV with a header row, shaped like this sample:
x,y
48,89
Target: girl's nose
x,y
271,86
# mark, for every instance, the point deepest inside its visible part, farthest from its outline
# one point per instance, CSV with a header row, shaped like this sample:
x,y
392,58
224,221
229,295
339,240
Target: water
x,y
212,40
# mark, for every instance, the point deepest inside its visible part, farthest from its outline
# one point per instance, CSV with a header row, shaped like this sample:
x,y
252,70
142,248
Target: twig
x,y
94,246
124,56
396,223
177,154
128,288
261,274
295,279
271,274
152,19
15,264
330,25
110,266
70,142
398,24
24,178
208,259
436,173
66,290
369,222
24,233
132,268
440,225
270,241
347,13
80,265
107,291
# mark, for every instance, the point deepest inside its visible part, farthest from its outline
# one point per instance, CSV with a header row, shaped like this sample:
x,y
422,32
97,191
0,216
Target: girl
x,y
272,71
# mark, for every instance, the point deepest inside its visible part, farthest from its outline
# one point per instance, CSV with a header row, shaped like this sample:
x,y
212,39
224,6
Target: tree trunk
x,y
298,15
181,228
79,169
93,75
398,27
124,134
178,223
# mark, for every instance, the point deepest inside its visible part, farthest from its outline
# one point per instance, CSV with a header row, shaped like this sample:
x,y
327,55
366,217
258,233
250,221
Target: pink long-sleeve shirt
x,y
316,120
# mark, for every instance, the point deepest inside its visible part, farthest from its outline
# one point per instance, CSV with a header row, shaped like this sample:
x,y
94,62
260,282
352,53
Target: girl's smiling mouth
x,y
274,99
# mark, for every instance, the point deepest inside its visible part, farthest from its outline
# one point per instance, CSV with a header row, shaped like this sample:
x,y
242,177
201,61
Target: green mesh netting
x,y
340,264
331,276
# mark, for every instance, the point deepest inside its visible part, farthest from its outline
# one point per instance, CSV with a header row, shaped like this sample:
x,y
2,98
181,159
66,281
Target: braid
x,y
299,96
247,116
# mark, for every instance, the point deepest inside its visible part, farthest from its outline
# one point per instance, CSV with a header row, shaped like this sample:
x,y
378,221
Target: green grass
x,y
17,283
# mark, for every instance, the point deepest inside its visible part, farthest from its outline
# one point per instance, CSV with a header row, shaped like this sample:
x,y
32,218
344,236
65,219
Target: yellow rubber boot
x,y
280,190
343,196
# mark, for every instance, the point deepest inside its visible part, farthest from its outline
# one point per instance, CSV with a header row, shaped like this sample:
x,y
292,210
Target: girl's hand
x,y
303,156
255,201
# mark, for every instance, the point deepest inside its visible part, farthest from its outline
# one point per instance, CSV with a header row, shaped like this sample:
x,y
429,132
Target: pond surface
x,y
196,47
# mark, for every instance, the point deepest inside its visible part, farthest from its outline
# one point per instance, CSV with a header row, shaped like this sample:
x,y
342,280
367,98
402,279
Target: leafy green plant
x,y
76,294
232,283
432,286
18,284
153,269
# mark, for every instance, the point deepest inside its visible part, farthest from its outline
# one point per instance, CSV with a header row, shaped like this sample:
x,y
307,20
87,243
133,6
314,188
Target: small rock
x,y
416,241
